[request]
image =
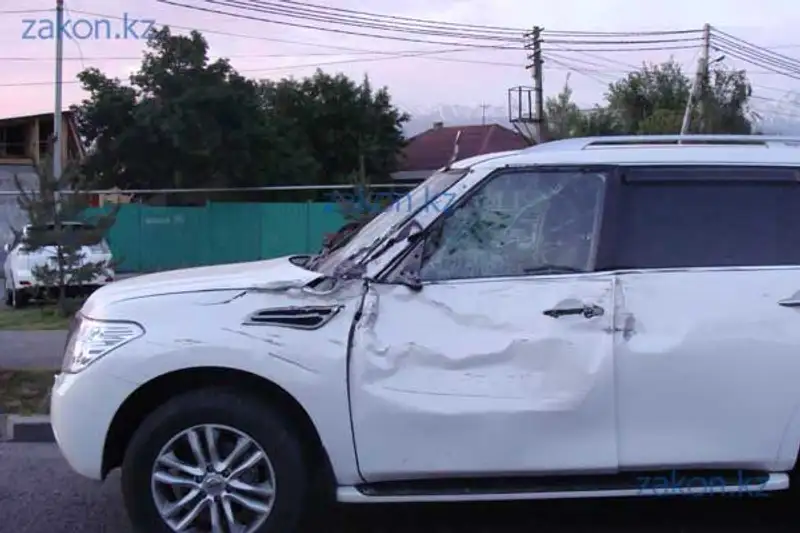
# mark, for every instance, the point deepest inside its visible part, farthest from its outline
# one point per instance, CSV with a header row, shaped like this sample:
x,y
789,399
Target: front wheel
x,y
214,461
19,299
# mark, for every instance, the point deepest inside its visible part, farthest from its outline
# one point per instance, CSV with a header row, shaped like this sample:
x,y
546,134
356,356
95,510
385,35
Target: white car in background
x,y
20,285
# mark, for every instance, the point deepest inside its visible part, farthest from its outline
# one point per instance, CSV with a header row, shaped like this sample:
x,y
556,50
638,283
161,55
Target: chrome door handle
x,y
587,311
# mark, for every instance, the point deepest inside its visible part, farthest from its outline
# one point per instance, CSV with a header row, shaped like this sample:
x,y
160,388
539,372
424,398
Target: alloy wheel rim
x,y
213,478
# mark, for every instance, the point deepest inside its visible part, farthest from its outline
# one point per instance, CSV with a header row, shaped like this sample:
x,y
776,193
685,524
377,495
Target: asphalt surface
x,y
40,494
31,349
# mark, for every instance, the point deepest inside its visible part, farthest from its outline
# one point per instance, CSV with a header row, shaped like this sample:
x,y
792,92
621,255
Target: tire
x,y
19,299
9,298
264,425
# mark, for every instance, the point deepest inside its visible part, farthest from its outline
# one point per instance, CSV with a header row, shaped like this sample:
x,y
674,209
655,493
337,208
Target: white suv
x,y
586,318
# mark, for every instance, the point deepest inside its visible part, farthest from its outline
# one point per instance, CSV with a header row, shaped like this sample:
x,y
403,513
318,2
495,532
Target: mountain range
x,y
775,118
423,118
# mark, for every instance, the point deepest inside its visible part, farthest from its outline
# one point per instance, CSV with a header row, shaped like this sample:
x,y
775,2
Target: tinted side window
x,y
707,222
515,225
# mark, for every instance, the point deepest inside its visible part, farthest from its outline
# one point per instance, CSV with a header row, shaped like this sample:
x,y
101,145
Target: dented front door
x,y
485,377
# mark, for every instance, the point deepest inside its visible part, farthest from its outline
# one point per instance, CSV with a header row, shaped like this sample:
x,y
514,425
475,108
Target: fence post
x,y
307,247
209,244
139,241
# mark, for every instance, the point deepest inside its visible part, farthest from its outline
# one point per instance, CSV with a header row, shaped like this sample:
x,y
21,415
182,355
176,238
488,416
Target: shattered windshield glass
x,y
520,223
427,195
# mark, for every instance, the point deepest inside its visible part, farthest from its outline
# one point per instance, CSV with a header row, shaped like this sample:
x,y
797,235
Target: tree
x,y
338,123
727,102
52,211
564,117
184,121
652,100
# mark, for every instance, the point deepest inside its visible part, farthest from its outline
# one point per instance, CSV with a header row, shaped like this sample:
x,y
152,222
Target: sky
x,y
466,78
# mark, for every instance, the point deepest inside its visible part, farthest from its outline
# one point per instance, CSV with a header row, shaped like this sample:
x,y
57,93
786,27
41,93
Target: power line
x,y
600,58
632,49
750,60
728,36
429,22
243,16
562,60
754,54
572,68
251,56
239,35
25,11
621,34
429,54
758,56
399,24
326,15
348,49
407,19
605,42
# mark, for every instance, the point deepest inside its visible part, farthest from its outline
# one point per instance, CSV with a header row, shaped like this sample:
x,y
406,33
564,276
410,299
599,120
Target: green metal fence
x,y
147,238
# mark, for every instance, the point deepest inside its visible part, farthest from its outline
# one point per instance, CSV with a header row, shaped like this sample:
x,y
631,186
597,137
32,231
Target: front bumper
x,y
82,407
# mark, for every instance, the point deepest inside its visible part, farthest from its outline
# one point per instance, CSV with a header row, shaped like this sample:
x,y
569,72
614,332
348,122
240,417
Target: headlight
x,y
89,340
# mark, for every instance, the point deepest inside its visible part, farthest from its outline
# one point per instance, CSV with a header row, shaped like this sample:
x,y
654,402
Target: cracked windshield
x,y
517,224
372,228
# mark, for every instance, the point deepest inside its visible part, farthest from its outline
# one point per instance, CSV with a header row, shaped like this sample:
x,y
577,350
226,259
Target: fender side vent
x,y
312,317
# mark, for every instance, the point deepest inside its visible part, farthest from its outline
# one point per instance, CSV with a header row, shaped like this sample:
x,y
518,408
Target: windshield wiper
x,y
553,269
351,261
344,235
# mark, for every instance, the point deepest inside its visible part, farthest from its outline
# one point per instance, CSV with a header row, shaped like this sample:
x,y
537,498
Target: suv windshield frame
x,y
382,226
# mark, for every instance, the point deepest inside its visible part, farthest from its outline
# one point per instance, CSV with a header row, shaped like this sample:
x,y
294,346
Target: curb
x,y
16,428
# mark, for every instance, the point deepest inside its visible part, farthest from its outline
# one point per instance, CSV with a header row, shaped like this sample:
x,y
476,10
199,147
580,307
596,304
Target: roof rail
x,y
622,141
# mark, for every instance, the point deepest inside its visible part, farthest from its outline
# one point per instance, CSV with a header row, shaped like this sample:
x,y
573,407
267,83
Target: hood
x,y
273,274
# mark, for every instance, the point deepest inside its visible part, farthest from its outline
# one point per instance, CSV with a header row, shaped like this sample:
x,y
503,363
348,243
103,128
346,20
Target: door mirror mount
x,y
407,279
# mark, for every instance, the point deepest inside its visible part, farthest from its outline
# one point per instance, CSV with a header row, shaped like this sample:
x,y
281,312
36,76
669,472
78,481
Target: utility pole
x,y
702,86
57,118
535,57
484,107
699,84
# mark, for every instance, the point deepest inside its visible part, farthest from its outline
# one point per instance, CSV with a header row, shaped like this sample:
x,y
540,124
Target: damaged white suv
x,y
586,318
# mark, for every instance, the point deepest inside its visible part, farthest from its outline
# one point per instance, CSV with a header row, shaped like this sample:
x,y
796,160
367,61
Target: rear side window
x,y
708,217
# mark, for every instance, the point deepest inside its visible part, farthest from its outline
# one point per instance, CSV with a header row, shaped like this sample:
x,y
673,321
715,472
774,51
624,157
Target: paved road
x,y
31,349
39,494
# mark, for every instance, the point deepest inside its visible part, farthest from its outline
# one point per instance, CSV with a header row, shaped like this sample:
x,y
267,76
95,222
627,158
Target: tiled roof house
x,y
432,149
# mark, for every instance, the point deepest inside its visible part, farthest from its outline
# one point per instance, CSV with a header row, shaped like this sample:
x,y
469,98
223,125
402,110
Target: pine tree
x,y
58,223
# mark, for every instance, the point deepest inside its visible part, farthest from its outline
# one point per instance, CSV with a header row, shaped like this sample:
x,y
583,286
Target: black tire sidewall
x,y
19,299
262,423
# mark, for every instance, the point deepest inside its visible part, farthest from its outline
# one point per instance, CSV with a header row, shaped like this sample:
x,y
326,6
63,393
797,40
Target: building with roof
x,y
432,149
24,139
23,144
